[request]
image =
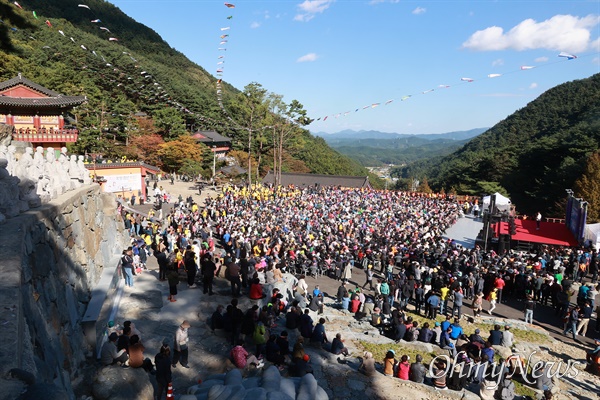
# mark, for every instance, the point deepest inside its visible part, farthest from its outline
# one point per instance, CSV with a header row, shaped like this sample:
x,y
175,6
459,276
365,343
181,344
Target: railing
x,y
45,135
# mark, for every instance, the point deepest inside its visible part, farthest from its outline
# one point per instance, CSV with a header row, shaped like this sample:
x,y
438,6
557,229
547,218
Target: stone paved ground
x,y
157,318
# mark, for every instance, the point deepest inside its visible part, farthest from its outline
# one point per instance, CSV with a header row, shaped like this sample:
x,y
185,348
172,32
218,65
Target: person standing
x,y
586,315
538,220
208,269
434,303
499,286
189,263
173,279
163,262
493,297
477,304
181,345
458,303
127,266
529,307
369,276
572,322
162,361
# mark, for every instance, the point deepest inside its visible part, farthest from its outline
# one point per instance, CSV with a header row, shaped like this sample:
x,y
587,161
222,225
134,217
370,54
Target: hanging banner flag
x,y
526,67
229,5
466,79
494,75
567,55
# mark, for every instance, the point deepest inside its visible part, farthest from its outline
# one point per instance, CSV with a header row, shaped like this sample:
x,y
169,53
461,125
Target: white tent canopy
x,y
592,233
502,203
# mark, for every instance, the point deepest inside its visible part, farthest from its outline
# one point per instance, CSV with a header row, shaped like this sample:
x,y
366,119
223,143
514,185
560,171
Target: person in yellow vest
x,y
444,297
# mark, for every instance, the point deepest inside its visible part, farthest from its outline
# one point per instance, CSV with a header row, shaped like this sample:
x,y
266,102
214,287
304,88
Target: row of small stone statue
x,y
28,180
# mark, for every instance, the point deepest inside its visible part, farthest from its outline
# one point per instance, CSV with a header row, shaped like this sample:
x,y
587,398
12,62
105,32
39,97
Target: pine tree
x,y
587,186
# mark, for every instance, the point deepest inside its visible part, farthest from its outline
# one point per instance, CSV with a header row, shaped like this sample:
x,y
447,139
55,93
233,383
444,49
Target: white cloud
x,y
374,2
541,59
596,60
533,85
561,32
254,25
419,10
309,8
497,62
595,45
308,58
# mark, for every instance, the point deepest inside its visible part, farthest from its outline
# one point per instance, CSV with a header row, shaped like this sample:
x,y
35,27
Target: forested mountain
x,y
374,148
533,155
144,97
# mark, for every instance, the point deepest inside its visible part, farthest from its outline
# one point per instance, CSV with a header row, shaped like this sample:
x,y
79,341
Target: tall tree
x,y
169,122
287,119
588,187
250,111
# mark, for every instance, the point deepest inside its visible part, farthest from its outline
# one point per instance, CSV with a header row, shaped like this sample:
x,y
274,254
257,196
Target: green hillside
x,y
533,155
141,73
378,152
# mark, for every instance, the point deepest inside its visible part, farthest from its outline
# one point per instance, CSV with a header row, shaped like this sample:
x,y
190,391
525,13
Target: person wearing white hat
x,y
180,346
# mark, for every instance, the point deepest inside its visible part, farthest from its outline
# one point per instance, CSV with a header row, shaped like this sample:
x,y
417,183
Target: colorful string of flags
x,y
223,42
464,80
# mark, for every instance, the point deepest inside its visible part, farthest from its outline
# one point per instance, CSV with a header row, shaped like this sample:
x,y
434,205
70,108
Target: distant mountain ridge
x,y
375,148
351,134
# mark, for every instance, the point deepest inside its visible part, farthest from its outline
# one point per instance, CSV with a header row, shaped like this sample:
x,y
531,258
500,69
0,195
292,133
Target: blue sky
x,y
338,56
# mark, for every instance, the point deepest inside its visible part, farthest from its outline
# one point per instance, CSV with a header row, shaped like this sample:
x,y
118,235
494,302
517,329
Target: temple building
x,y
36,113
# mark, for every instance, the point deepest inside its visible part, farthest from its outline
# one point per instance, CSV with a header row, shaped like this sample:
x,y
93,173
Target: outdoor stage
x,y
549,233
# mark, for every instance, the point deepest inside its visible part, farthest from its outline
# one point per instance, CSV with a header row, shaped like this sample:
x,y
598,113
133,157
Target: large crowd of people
x,y
390,242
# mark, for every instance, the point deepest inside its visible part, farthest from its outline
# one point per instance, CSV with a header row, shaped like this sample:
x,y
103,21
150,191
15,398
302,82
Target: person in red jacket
x,y
499,284
404,368
256,290
354,304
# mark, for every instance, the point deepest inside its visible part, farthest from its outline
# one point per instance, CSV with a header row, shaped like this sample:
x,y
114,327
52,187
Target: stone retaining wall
x,y
52,258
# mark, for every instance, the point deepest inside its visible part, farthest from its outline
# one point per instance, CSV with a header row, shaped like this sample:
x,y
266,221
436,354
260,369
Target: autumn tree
x,y
145,148
587,186
174,153
424,187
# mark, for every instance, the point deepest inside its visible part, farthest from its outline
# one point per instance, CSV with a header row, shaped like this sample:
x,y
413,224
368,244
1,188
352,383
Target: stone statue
x,y
4,152
63,154
84,174
39,173
9,193
28,180
24,168
11,159
63,169
74,173
55,186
